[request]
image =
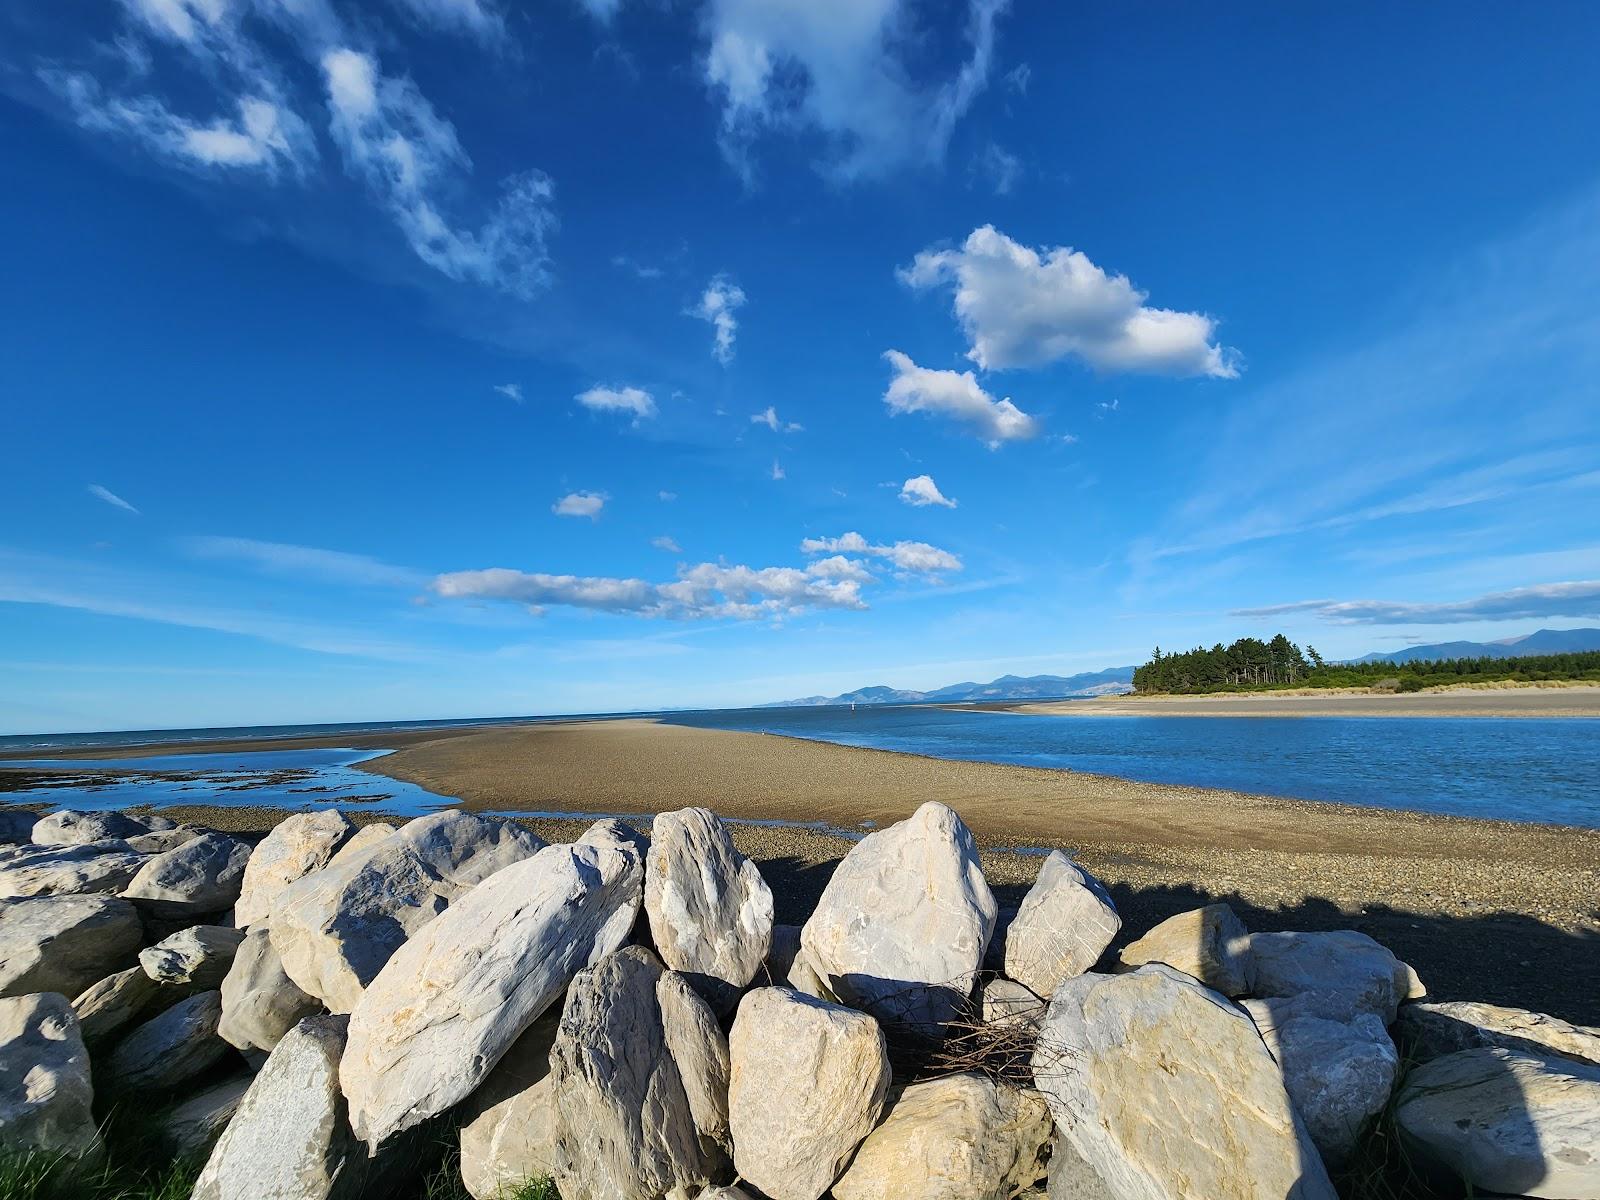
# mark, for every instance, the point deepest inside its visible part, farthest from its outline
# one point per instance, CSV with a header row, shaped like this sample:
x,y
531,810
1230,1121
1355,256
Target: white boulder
x,y
65,943
508,1128
109,1005
807,1082
1433,1030
45,1091
197,958
193,1127
1342,960
199,877
70,827
902,926
72,870
170,1049
1210,943
455,997
296,846
260,1004
1064,925
1165,1089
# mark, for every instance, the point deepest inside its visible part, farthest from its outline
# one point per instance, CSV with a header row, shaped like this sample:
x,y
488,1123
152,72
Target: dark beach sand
x,y
1495,911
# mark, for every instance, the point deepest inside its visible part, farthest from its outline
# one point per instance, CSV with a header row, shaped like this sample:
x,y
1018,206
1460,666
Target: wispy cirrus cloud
x,y
306,563
101,492
1575,599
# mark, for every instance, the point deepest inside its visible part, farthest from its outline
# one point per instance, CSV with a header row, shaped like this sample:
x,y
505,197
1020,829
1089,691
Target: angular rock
x,y
336,928
45,1092
508,1130
1006,1002
70,827
902,926
260,1004
624,1127
1064,925
71,870
700,1051
1210,943
1505,1121
296,846
198,957
617,835
808,1080
199,877
1338,1064
1342,960
1070,1177
455,997
107,1006
1165,1089
365,837
785,948
710,911
65,943
193,1127
958,1137
16,825
170,1049
803,977
1429,1031
159,841
289,1139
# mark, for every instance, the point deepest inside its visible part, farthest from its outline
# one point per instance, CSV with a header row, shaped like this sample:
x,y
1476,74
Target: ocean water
x,y
1533,769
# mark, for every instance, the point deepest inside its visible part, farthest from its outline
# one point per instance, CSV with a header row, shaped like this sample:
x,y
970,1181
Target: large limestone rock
x,y
1338,1064
260,1004
959,1137
45,1092
616,835
808,1080
1165,1089
336,928
199,877
710,911
73,870
159,841
297,846
1065,923
289,1139
700,1052
193,1127
1070,1177
1507,1122
508,1130
1006,1002
65,943
1429,1031
111,1004
902,926
625,1129
1210,943
197,958
1338,961
170,1049
70,827
455,997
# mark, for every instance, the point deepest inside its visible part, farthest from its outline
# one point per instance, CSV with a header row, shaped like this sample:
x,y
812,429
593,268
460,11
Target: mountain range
x,y
1116,680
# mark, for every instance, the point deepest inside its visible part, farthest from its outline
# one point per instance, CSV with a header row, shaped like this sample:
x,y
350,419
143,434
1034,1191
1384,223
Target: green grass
x,y
41,1176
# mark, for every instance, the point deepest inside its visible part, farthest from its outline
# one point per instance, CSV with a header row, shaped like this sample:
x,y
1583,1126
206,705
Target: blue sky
x,y
459,357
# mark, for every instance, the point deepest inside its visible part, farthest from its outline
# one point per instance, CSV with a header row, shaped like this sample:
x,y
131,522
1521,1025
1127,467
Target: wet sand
x,y
1530,701
1496,911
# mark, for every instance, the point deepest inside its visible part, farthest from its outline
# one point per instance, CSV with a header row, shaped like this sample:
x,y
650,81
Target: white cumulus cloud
x,y
511,391
670,545
619,399
580,504
1022,307
920,491
912,557
958,395
718,303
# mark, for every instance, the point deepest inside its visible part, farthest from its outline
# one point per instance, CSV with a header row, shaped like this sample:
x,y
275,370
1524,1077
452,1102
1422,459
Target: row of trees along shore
x,y
1251,665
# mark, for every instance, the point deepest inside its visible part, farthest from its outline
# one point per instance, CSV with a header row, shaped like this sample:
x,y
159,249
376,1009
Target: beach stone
x,y
365,837
1429,1031
807,1082
1210,943
1165,1089
616,835
803,977
902,926
170,1049
624,1126
710,910
1064,925
260,1003
698,1048
194,1126
71,827
288,1140
781,954
296,846
455,997
45,1090
65,943
508,1130
71,870
958,1137
199,877
111,1004
159,841
335,928
198,957
1006,1002
1342,960
1070,1177
16,825
1506,1121
1338,1065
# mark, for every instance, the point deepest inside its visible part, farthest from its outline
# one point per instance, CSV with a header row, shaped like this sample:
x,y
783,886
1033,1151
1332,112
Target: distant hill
x,y
1543,641
1112,681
